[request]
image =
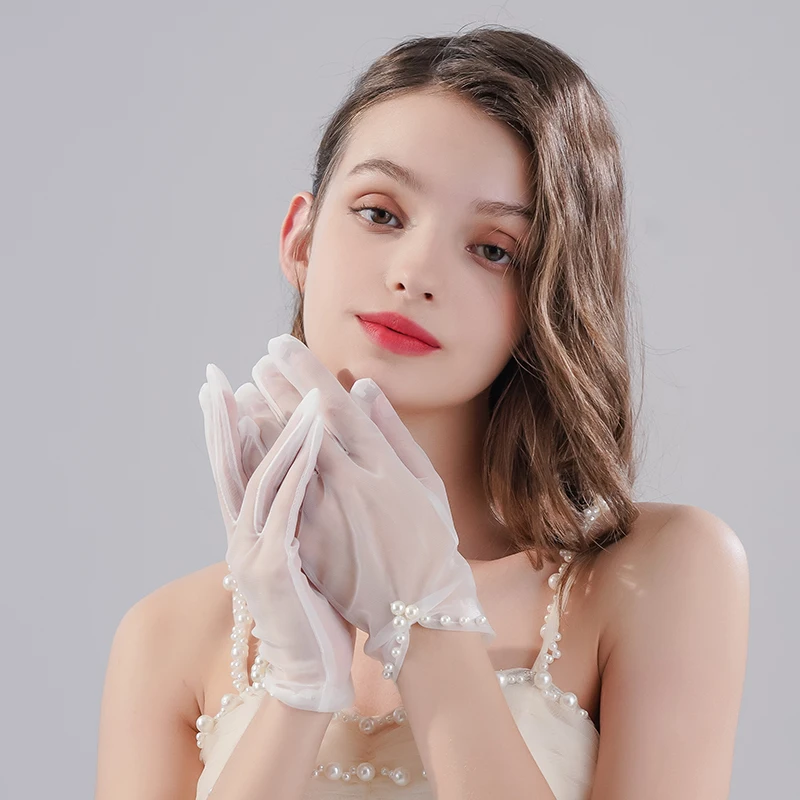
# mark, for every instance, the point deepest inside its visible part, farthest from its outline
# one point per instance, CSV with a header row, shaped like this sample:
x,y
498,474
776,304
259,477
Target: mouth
x,y
383,330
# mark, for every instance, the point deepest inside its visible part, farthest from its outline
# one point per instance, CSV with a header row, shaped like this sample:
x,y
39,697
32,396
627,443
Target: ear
x,y
293,253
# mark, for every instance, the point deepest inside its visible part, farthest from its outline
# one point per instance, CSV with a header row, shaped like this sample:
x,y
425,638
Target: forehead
x,y
453,146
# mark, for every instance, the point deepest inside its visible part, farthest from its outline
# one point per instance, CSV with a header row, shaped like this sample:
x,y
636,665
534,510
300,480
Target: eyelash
x,y
365,207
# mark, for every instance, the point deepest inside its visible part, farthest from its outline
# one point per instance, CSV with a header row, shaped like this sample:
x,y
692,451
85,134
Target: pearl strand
x,y
404,616
365,772
240,651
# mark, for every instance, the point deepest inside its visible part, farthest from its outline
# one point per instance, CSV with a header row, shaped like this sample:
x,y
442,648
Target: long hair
x,y
560,438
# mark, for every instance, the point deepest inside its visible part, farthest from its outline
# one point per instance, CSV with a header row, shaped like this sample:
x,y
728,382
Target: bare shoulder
x,y
153,688
675,594
670,547
183,619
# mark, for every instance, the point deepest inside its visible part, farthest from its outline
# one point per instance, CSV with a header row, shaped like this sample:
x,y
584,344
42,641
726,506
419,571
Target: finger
x,y
259,426
220,415
252,403
345,421
262,487
275,389
253,447
376,405
284,511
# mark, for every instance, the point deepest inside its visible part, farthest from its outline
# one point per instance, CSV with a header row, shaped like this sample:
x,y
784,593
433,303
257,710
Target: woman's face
x,y
430,255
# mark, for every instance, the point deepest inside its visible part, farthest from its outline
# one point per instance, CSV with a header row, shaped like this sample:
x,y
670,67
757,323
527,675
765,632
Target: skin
x,y
434,261
655,634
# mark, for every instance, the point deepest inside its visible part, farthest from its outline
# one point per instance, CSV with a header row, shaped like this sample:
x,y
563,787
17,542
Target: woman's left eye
x,y
383,211
357,211
501,250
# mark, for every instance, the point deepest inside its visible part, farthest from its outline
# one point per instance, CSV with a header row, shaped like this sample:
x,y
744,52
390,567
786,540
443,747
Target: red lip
x,y
401,324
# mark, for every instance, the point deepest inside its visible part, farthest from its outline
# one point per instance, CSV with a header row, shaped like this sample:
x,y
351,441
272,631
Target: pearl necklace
x,y
539,675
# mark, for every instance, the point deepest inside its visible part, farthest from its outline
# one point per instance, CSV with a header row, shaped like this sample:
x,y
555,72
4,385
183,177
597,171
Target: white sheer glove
x,y
376,534
261,470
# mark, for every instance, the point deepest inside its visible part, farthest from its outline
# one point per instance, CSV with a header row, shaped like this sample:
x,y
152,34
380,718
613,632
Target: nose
x,y
416,267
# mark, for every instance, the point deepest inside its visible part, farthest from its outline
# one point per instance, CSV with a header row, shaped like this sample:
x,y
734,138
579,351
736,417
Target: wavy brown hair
x,y
561,433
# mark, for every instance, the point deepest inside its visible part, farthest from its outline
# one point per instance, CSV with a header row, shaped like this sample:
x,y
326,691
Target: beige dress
x,y
375,757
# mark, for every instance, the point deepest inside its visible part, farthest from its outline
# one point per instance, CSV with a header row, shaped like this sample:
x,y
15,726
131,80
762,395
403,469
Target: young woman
x,y
464,247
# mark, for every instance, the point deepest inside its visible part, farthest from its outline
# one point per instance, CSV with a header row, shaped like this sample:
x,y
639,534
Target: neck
x,y
453,438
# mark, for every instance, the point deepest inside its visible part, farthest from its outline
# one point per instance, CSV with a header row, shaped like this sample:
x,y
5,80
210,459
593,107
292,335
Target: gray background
x,y
148,152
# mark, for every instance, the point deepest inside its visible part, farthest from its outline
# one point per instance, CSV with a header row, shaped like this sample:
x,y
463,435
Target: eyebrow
x,y
491,208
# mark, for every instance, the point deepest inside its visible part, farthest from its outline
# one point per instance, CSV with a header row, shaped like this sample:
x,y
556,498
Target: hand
x,y
376,534
308,645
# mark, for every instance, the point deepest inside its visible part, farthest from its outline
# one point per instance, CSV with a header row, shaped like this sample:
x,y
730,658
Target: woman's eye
x,y
382,212
503,253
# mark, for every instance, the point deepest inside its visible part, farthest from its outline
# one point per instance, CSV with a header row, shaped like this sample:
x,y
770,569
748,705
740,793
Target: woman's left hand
x,y
376,533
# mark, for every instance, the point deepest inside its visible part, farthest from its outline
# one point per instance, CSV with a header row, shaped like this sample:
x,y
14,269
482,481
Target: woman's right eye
x,y
372,222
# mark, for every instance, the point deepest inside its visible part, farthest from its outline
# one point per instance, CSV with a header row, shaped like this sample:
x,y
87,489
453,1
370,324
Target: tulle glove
x,y
307,644
375,537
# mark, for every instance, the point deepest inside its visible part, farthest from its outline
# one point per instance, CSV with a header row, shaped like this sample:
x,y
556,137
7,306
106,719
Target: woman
x,y
468,191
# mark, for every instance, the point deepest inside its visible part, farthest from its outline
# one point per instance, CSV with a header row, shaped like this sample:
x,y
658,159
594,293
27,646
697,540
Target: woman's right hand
x,y
260,486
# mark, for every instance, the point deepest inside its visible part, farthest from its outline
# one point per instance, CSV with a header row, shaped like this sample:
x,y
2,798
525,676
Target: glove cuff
x,y
451,609
323,698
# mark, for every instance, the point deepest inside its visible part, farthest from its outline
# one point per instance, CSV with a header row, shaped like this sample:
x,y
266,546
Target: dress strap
x,y
551,635
549,631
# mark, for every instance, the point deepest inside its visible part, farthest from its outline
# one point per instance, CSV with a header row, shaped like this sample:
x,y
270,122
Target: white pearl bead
x,y
400,638
425,619
400,622
366,725
333,771
205,724
542,680
229,582
412,612
445,619
365,771
230,700
396,652
398,607
400,776
464,620
502,679
552,581
399,715
481,620
568,699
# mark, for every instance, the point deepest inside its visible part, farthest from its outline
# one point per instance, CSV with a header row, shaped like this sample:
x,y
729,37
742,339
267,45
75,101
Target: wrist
x,y
431,650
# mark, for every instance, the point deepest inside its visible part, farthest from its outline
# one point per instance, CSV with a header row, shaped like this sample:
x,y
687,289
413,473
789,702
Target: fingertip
x,y
366,389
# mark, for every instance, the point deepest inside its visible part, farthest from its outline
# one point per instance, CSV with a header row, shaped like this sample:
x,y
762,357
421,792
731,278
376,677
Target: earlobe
x,y
293,245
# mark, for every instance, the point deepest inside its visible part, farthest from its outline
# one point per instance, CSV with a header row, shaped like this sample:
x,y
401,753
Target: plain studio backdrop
x,y
148,152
